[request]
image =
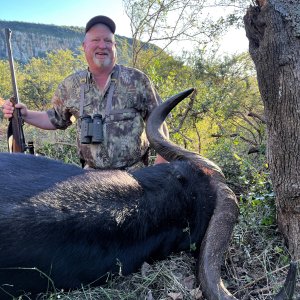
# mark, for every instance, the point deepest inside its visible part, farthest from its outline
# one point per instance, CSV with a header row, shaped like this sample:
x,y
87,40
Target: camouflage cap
x,y
101,20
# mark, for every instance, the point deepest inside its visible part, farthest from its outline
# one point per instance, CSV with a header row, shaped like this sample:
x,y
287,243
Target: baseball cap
x,y
101,20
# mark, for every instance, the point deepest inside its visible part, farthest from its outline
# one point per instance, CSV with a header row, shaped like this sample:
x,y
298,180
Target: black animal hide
x,y
78,226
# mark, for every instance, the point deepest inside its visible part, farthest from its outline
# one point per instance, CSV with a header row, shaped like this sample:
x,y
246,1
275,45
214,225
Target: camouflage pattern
x,y
125,142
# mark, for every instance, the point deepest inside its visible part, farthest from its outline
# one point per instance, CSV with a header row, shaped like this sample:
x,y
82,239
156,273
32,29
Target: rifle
x,y
15,133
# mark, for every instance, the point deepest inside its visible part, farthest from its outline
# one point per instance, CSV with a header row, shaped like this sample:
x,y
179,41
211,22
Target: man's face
x,y
100,47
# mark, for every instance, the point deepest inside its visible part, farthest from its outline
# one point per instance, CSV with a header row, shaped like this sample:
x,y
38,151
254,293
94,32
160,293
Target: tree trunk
x,y
273,30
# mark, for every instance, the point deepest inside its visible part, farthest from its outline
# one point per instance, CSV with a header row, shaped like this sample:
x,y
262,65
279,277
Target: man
x,y
111,103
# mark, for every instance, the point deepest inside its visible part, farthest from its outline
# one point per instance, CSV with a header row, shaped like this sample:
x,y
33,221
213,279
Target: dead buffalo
x,y
70,227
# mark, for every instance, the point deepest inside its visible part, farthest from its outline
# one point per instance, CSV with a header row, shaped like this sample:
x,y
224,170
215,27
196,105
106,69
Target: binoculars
x,y
91,129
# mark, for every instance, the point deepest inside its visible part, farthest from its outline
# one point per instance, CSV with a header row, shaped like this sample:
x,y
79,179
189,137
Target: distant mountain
x,y
34,40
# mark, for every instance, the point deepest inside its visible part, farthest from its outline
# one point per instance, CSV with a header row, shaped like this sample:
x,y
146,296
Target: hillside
x,y
34,40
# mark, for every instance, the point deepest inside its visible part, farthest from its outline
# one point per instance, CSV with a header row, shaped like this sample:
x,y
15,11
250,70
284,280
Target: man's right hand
x,y
8,109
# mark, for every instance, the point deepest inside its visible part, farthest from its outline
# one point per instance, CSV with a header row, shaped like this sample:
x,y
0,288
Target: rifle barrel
x,y
16,139
11,64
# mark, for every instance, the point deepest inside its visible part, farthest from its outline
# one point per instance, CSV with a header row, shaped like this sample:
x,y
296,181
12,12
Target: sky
x,y
65,12
78,12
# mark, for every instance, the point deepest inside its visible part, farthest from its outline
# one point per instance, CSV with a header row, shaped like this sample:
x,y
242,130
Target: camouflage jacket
x,y
125,142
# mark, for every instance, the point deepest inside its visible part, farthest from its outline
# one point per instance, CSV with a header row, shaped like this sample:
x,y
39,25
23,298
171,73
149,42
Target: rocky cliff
x,y
34,40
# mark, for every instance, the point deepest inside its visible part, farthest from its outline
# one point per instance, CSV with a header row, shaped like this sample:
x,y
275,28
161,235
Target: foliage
x,y
59,144
5,82
229,105
42,76
171,21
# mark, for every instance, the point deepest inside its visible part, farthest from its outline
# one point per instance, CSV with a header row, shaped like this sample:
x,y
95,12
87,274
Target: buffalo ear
x,y
182,179
177,173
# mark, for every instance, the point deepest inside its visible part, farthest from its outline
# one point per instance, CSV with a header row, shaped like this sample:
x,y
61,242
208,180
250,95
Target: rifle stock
x,y
15,133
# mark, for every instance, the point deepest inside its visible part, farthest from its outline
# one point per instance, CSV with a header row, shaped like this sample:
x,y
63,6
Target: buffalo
x,y
63,227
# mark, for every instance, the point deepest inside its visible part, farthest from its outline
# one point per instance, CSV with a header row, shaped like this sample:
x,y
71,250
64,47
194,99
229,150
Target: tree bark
x,y
273,30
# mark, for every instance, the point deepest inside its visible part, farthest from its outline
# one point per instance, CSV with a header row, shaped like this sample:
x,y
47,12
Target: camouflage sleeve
x,y
151,100
59,115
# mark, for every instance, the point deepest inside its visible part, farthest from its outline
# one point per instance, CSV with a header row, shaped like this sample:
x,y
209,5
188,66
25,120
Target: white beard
x,y
102,63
